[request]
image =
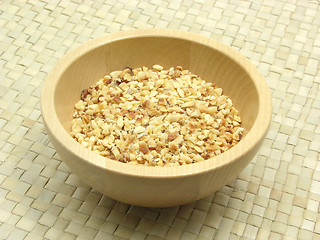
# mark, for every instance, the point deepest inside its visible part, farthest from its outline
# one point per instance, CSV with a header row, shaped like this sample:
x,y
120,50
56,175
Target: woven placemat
x,y
276,197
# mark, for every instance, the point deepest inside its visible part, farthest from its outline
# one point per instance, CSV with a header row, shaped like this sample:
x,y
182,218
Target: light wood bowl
x,y
144,185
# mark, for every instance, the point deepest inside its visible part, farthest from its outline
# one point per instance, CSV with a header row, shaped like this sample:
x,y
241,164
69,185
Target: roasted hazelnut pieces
x,y
156,117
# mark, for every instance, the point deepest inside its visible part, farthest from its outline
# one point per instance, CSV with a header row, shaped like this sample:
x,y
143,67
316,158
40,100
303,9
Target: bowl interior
x,y
209,63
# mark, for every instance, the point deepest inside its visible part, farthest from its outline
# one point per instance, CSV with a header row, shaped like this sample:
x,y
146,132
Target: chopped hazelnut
x,y
156,117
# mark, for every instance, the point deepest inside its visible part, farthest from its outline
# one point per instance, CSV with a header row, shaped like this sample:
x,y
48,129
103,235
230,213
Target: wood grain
x,y
150,186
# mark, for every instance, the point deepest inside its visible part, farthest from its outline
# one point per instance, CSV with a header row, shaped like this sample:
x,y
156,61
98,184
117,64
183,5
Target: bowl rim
x,y
253,138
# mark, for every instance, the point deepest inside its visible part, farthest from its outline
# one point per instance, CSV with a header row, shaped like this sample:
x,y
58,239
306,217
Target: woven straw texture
x,y
276,197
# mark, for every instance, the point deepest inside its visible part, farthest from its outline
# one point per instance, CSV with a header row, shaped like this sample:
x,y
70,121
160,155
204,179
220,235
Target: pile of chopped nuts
x,y
156,117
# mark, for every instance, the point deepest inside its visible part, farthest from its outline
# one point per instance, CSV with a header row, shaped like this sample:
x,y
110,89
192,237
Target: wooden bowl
x,y
145,185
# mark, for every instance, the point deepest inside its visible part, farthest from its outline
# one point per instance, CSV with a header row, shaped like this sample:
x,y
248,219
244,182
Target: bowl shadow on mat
x,y
104,217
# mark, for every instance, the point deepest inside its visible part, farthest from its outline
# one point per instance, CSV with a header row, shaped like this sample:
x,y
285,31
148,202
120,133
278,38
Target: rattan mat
x,y
276,197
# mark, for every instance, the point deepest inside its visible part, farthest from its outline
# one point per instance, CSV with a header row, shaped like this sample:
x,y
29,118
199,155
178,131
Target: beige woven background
x,y
276,197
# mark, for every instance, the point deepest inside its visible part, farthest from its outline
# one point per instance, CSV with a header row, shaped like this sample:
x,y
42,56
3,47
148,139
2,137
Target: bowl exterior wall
x,y
156,191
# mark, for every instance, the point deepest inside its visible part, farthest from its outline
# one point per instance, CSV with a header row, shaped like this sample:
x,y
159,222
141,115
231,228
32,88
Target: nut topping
x,y
156,117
